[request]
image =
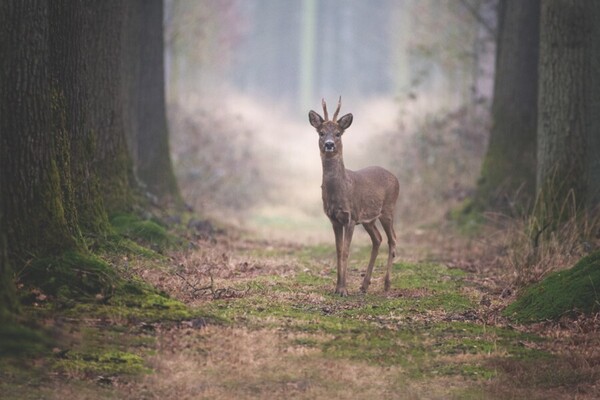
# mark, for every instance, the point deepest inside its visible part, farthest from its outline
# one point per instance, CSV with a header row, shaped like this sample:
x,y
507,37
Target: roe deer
x,y
354,197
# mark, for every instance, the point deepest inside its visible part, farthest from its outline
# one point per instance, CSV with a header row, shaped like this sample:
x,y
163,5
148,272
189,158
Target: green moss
x,y
382,330
70,275
110,362
115,176
153,306
418,347
50,232
19,340
115,246
429,276
61,163
144,232
576,289
134,300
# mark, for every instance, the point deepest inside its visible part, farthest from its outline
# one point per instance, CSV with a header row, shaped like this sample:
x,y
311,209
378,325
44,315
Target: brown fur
x,y
354,197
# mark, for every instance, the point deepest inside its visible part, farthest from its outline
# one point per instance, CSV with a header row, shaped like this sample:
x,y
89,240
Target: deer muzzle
x,y
329,146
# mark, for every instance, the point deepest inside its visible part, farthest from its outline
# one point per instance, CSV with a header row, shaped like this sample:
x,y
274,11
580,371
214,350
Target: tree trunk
x,y
569,105
508,172
34,162
63,156
105,24
8,298
71,67
151,144
86,67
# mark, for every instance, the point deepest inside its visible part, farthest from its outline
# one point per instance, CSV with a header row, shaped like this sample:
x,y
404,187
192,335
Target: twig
x,y
223,293
196,289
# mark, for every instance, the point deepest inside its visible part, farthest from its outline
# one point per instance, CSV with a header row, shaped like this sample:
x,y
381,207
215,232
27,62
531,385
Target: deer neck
x,y
334,175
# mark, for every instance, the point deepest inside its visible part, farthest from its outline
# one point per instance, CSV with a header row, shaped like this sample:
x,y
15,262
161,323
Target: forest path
x,y
265,324
274,329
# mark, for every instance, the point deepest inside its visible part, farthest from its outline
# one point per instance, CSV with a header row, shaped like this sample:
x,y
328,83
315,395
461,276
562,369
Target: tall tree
x,y
36,209
34,167
112,161
150,145
509,164
569,105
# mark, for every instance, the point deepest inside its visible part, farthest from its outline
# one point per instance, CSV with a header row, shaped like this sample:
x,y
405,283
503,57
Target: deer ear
x,y
315,119
345,121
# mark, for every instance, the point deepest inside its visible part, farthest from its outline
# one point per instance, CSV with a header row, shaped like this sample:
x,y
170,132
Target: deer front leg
x,y
348,230
340,288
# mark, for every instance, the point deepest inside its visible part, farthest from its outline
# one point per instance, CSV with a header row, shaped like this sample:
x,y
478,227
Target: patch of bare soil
x,y
215,269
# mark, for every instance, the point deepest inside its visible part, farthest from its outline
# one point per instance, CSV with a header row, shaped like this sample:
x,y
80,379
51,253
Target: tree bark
x,y
569,105
151,143
508,173
72,69
64,163
106,23
63,156
34,160
85,42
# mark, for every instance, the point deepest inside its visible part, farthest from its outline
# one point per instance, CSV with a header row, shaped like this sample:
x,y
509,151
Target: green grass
x,y
423,328
381,329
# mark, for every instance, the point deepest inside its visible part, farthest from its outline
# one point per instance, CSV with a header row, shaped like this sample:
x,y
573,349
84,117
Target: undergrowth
x,y
545,240
572,291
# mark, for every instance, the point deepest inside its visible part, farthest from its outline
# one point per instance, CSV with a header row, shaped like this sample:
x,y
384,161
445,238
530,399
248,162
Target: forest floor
x,y
249,318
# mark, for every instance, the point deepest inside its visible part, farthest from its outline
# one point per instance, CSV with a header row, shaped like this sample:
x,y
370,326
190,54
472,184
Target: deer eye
x,y
321,134
338,134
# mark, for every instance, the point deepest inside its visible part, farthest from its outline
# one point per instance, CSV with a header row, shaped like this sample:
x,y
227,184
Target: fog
x,y
243,74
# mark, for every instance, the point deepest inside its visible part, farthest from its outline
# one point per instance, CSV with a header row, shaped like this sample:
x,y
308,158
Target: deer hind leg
x,y
388,226
376,239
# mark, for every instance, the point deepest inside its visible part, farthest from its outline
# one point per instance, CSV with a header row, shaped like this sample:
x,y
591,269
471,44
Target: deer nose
x,y
329,145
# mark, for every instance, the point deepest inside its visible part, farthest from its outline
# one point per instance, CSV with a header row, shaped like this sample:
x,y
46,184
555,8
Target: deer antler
x,y
335,114
325,115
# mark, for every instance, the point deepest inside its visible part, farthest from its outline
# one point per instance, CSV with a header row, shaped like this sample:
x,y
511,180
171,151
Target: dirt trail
x,y
281,333
265,324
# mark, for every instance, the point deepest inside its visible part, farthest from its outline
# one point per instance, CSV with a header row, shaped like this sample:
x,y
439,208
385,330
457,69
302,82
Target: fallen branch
x,y
222,293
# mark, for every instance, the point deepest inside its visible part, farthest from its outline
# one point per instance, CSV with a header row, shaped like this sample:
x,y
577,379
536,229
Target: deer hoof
x,y
343,292
386,285
364,287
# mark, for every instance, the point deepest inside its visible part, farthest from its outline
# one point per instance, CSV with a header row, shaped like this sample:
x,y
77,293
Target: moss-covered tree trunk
x,y
151,142
130,69
63,156
8,298
34,152
569,105
113,167
71,66
508,172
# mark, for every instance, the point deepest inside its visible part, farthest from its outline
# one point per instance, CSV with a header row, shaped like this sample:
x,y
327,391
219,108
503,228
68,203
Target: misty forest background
x,y
123,112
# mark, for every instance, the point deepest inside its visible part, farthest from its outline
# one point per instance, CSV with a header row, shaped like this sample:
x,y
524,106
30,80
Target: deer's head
x,y
330,131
